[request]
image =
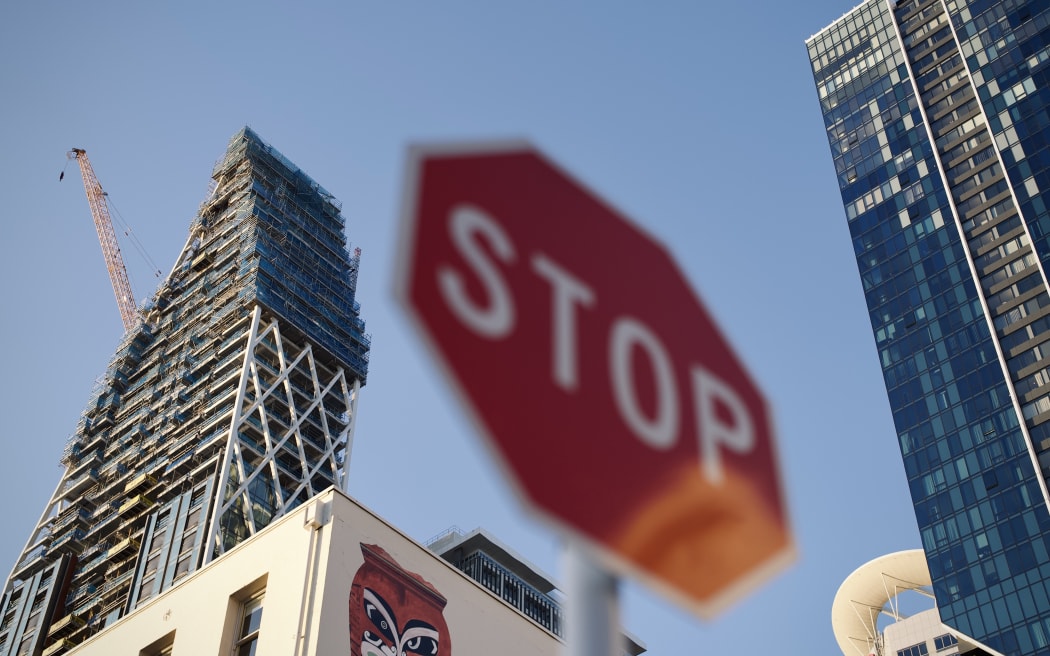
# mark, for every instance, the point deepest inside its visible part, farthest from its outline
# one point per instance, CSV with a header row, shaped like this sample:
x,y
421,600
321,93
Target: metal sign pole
x,y
592,613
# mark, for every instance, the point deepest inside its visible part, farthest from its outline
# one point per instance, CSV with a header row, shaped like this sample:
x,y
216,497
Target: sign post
x,y
592,613
615,405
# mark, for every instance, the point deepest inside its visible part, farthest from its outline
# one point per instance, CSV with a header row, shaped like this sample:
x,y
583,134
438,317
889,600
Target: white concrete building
x,y
329,578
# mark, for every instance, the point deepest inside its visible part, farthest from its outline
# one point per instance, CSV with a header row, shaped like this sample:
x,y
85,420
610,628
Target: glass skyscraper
x,y
229,404
938,117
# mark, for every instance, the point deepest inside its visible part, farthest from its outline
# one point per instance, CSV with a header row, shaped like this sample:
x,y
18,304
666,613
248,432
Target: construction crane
x,y
118,274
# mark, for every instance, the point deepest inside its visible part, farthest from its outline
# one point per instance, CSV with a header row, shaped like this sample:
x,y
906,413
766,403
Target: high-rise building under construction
x,y
230,404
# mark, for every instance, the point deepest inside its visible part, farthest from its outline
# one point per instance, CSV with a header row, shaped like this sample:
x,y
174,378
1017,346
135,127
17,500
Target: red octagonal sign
x,y
605,390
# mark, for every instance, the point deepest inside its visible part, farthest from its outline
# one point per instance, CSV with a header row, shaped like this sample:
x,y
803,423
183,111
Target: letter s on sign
x,y
496,319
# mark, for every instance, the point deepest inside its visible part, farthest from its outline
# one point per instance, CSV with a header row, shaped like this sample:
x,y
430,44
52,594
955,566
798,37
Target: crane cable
x,y
133,238
125,226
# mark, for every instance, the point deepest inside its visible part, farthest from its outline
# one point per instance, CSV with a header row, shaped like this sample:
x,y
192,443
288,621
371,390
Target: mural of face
x,y
394,612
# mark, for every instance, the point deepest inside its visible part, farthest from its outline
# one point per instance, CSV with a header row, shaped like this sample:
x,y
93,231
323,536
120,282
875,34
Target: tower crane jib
x,y
118,274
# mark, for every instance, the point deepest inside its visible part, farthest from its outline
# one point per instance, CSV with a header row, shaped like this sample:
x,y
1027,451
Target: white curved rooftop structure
x,y
872,590
867,593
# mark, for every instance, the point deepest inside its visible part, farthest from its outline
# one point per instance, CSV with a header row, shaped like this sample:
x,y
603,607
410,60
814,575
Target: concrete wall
x,y
307,562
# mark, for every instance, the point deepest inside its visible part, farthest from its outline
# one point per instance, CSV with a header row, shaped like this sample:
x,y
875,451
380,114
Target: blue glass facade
x,y
937,117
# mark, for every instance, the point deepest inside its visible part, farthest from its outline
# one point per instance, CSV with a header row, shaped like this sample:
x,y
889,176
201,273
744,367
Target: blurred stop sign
x,y
616,407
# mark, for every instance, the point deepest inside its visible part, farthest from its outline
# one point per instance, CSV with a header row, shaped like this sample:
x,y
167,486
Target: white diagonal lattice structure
x,y
290,430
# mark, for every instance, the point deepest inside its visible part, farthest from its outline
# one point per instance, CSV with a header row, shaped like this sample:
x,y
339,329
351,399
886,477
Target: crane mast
x,y
118,274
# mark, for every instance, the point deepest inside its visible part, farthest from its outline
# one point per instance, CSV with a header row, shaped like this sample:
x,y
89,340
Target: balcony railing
x,y
516,592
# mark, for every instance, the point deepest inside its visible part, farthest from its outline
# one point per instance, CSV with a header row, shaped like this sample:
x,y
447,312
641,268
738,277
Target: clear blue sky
x,y
699,120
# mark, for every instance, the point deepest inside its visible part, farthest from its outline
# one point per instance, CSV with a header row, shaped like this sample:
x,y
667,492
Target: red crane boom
x,y
118,274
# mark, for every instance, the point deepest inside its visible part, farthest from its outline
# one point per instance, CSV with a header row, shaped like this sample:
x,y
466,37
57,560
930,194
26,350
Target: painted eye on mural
x,y
422,645
377,611
373,639
419,638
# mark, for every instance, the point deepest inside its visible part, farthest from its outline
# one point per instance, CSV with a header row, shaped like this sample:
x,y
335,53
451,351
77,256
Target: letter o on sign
x,y
661,430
